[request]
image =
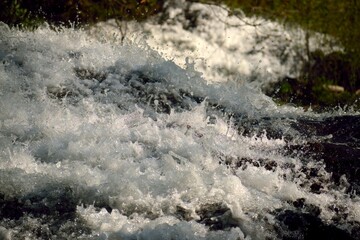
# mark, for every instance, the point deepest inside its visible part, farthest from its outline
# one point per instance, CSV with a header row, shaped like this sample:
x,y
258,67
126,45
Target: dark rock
x,y
299,203
183,213
58,92
316,188
304,226
313,172
343,129
158,94
337,144
217,216
53,207
55,202
270,165
10,207
83,73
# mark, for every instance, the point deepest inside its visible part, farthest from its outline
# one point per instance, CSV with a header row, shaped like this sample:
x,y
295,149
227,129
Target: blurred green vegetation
x,y
30,13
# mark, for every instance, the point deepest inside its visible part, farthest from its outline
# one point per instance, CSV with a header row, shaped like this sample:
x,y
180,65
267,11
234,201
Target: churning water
x,y
102,140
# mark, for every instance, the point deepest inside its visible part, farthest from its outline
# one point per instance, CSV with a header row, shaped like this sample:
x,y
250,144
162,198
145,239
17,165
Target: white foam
x,y
143,164
223,47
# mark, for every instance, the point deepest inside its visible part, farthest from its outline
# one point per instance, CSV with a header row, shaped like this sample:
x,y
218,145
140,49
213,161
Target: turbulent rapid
x,y
145,138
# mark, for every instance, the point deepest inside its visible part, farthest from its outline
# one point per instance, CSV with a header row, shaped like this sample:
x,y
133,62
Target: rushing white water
x,y
223,47
100,140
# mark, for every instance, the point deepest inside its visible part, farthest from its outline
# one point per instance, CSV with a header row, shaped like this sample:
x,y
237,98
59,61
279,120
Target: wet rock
x,y
53,202
49,213
303,221
301,205
341,212
10,208
183,213
242,163
58,92
258,127
337,144
83,73
316,188
343,160
343,129
157,93
270,165
333,147
302,226
216,216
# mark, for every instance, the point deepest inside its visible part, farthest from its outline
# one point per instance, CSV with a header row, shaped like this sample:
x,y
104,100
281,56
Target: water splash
x,y
108,141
